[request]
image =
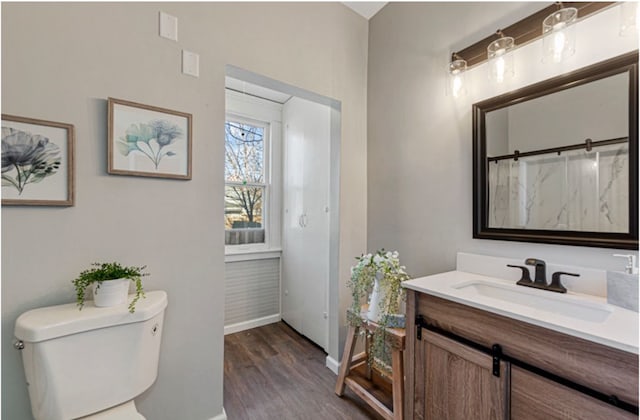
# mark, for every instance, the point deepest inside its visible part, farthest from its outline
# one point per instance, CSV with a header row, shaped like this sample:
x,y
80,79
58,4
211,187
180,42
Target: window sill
x,y
251,254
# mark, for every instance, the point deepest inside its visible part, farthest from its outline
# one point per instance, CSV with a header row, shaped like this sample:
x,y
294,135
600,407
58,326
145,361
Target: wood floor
x,y
273,373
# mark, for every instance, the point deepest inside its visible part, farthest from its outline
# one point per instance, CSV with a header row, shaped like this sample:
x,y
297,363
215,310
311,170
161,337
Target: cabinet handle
x,y
496,355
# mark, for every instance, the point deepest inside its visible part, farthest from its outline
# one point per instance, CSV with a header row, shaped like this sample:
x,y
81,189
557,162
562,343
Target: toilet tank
x,y
81,362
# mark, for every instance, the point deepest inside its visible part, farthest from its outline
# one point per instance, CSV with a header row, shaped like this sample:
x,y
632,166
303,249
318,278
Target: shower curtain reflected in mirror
x,y
576,190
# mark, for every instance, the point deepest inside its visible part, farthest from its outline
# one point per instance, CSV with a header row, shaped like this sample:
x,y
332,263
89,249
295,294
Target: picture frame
x,y
148,141
38,162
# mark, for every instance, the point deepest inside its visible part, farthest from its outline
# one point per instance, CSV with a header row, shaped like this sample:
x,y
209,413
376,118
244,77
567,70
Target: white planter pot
x,y
111,292
378,295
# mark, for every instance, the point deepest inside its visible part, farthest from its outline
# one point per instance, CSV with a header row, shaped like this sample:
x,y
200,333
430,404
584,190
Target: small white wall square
x,y
168,26
190,63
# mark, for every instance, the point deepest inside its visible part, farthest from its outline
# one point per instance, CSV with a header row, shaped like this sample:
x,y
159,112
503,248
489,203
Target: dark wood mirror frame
x,y
481,230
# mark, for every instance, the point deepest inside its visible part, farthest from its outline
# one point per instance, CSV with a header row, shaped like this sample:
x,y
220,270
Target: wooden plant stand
x,y
361,385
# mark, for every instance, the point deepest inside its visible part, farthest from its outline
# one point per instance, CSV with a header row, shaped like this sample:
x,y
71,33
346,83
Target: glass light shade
x,y
559,33
629,19
500,60
457,72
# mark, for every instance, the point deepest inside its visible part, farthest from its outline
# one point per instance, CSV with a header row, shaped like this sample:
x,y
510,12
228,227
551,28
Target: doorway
x,y
298,225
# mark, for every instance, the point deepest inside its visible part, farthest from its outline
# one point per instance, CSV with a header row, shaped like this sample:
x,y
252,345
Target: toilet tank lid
x,y
57,321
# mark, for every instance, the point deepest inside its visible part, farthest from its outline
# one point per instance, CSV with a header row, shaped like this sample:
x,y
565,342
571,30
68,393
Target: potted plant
x,y
379,276
110,283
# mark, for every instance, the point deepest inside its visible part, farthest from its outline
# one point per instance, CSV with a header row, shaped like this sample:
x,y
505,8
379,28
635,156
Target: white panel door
x,y
305,259
292,223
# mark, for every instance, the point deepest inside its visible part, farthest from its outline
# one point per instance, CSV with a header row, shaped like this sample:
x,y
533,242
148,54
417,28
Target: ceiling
x,y
365,8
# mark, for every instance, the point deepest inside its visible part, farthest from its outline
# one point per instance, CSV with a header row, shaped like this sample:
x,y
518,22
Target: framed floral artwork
x,y
37,162
149,141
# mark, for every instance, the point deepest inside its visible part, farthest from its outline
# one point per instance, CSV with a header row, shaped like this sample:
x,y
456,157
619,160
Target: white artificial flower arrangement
x,y
383,267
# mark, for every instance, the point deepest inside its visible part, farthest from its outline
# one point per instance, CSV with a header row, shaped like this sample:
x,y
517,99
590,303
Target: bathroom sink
x,y
550,302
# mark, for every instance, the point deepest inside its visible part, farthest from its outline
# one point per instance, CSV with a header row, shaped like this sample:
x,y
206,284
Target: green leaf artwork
x,y
150,139
27,158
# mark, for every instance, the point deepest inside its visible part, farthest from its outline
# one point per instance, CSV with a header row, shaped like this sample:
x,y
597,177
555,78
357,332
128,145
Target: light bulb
x,y
559,34
500,70
500,65
558,46
500,58
457,74
456,85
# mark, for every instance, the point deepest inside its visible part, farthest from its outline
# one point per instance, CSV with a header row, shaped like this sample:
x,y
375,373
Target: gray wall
x,y
598,110
420,140
60,62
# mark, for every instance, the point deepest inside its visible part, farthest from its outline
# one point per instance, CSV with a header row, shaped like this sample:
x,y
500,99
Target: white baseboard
x,y
332,364
221,416
254,323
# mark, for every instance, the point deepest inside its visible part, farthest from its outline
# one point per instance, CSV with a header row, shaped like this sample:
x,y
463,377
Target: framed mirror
x,y
557,162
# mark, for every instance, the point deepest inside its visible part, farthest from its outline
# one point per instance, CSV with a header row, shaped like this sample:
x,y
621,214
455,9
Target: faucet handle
x,y
556,285
525,279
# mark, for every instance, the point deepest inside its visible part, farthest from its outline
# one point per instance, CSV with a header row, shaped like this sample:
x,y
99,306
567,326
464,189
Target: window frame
x,y
266,184
259,112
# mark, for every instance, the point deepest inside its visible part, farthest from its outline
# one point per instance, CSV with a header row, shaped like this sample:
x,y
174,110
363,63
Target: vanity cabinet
x,y
543,374
458,381
534,397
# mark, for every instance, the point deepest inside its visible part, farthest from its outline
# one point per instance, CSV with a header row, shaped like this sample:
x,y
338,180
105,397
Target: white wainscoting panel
x,y
252,291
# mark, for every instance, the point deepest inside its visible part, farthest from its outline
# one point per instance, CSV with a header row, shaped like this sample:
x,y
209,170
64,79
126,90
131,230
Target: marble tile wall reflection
x,y
614,189
576,190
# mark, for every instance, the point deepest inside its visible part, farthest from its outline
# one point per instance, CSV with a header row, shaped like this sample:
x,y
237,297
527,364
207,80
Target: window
x,y
246,181
253,175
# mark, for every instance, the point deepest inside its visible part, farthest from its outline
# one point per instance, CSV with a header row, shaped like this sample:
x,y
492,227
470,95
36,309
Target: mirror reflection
x,y
561,161
557,161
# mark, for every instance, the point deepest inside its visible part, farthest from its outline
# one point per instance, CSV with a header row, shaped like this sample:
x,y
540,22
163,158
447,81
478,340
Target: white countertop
x,y
601,323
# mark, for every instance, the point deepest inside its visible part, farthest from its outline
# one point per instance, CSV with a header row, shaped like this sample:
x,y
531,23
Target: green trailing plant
x,y
109,271
386,266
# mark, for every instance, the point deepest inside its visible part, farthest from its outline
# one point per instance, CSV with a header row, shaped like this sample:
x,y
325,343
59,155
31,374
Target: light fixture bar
x,y
527,29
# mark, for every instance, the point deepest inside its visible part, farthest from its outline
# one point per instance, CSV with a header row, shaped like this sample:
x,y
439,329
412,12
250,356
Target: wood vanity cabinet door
x,y
458,382
534,397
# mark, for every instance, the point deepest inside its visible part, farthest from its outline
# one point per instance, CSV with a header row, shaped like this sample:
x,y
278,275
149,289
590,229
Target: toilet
x,y
90,364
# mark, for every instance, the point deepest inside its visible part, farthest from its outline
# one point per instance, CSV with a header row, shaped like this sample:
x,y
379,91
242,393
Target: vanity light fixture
x,y
554,23
457,73
559,34
500,58
629,18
